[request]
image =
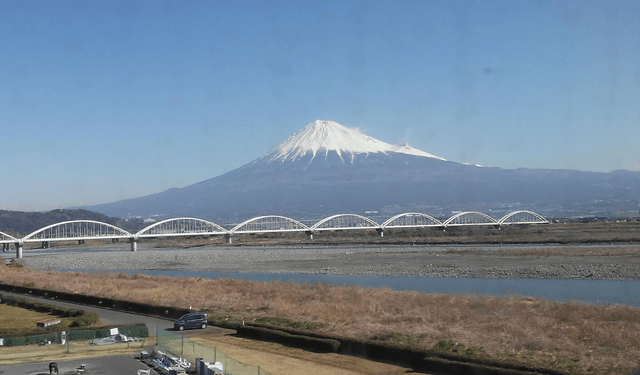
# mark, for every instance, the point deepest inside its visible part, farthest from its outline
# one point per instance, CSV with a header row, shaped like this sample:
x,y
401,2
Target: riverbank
x,y
549,261
574,338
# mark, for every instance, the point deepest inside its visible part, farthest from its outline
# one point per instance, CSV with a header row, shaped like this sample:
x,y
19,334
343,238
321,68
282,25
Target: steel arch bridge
x,y
185,226
180,227
77,230
470,218
269,224
345,222
5,238
523,217
411,220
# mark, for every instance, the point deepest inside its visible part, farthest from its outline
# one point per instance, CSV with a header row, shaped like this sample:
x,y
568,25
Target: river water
x,y
606,292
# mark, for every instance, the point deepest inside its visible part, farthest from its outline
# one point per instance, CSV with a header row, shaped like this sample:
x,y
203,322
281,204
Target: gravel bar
x,y
484,261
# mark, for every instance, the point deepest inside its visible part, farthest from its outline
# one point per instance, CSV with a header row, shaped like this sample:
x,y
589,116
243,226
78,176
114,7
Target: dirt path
x,y
277,359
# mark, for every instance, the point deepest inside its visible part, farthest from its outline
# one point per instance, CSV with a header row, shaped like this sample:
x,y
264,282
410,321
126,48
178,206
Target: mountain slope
x,y
327,168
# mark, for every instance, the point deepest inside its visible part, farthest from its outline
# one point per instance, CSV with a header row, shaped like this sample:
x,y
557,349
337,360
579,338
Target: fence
x,y
139,331
178,344
47,346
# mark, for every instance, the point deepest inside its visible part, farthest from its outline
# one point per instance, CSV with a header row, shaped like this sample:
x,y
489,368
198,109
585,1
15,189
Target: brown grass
x,y
18,318
578,338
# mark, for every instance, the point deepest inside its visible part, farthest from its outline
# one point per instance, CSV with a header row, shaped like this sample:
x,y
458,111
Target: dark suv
x,y
191,320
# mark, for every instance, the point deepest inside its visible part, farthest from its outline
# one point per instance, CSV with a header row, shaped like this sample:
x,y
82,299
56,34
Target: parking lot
x,y
113,365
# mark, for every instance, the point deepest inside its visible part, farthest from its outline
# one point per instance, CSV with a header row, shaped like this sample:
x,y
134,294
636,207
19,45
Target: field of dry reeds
x,y
576,338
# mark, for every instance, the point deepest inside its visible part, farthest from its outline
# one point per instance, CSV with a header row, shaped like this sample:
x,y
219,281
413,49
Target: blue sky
x,y
102,101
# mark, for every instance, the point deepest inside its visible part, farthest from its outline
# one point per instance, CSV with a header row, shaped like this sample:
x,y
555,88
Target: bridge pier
x,y
309,234
18,250
134,244
380,231
45,244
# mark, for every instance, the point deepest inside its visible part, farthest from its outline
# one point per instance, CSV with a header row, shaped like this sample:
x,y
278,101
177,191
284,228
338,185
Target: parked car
x,y
190,320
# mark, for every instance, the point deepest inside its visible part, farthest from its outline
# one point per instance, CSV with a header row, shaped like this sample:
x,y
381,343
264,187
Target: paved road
x,y
107,316
113,365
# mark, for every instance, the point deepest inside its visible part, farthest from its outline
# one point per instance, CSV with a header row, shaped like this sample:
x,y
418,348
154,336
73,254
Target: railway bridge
x,y
83,230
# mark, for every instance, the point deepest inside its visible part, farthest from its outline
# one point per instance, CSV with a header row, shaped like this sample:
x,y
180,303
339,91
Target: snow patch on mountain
x,y
324,136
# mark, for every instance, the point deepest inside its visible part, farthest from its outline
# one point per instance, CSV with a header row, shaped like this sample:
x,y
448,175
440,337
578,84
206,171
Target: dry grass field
x,y
576,338
18,318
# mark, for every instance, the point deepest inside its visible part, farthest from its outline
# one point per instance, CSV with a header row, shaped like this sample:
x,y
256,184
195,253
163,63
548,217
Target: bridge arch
x,y
182,226
345,221
271,223
6,238
77,230
523,217
411,220
470,218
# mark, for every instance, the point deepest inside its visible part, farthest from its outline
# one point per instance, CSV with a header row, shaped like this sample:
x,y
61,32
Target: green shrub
x,y
455,348
298,341
138,330
288,323
396,338
41,338
81,335
86,319
15,341
227,321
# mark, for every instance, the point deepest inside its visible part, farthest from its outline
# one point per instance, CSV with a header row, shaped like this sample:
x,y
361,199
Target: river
x,y
346,265
608,292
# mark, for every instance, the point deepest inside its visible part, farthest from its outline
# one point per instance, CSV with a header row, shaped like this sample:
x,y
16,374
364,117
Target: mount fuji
x,y
327,168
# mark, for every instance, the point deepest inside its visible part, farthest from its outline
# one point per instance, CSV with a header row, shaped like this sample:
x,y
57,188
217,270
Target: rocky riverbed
x,y
610,262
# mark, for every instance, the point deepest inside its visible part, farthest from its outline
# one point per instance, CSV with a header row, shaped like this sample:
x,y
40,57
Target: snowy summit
x,y
325,136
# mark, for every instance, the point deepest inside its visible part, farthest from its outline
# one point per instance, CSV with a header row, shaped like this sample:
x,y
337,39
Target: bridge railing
x,y
5,238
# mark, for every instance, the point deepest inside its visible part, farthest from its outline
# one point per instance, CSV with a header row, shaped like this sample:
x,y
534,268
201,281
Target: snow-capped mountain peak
x,y
325,136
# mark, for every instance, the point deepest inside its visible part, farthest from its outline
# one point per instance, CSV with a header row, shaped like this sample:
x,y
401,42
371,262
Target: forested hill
x,y
20,224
